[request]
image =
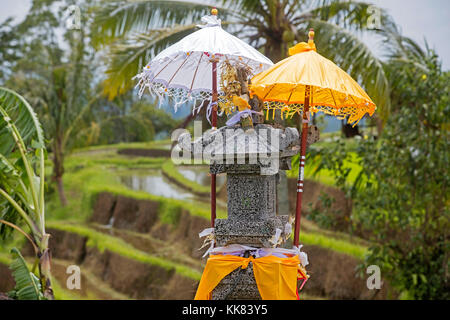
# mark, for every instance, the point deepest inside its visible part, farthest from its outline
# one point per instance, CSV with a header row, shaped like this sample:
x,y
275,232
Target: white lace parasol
x,y
183,71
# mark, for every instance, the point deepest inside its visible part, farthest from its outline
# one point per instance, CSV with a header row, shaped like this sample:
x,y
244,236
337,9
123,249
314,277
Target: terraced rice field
x,y
132,227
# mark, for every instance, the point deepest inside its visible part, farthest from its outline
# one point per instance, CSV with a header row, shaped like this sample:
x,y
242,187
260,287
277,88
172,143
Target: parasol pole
x,y
301,163
301,166
214,126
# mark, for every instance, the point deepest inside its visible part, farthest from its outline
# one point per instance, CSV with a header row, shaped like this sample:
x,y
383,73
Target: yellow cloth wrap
x,y
302,47
275,277
242,104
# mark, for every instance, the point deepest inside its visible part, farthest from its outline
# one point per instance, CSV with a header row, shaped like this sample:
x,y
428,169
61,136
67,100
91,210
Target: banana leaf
x,y
27,284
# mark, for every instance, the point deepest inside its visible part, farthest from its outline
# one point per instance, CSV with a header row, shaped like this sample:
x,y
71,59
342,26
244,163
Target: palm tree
x,y
406,60
57,82
136,30
22,190
60,92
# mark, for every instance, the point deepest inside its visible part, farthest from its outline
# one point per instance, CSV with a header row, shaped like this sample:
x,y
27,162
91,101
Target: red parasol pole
x,y
214,125
301,166
301,162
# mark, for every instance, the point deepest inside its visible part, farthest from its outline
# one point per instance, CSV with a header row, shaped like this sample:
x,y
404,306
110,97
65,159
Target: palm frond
x,y
247,6
403,48
352,55
119,18
352,15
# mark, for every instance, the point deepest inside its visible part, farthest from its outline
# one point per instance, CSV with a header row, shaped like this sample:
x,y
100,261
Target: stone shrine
x,y
252,161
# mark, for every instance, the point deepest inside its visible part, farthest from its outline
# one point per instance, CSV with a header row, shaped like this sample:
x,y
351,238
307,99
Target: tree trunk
x,y
58,169
274,50
62,195
379,124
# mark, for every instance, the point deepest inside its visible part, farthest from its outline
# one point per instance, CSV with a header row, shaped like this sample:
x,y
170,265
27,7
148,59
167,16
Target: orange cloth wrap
x,y
275,277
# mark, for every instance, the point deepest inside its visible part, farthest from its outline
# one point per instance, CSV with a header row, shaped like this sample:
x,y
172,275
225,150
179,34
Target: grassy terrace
x,y
355,250
89,173
92,173
158,144
103,242
325,176
169,169
94,170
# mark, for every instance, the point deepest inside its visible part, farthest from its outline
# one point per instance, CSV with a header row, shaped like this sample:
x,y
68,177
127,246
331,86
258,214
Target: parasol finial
x,y
311,36
214,11
303,46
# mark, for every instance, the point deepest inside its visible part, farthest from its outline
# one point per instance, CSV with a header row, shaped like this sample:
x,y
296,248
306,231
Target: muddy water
x,y
153,182
200,174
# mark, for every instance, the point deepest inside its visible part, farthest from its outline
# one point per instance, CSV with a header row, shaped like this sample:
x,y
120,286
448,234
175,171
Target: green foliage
x,y
162,123
337,157
325,159
27,284
407,207
21,189
23,117
142,16
57,82
169,213
125,128
124,119
400,195
18,182
324,216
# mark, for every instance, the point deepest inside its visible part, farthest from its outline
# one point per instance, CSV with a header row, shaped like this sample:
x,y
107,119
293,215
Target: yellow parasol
x,y
332,90
307,82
